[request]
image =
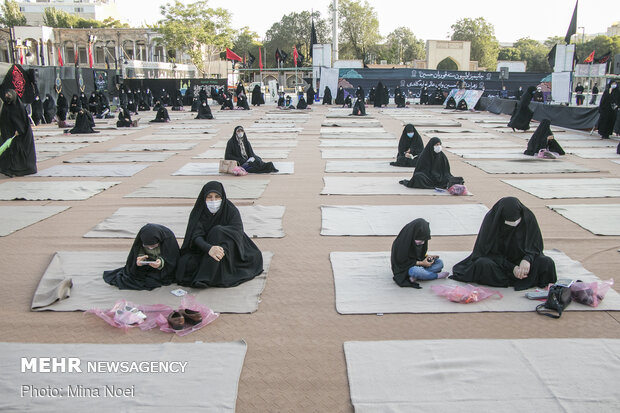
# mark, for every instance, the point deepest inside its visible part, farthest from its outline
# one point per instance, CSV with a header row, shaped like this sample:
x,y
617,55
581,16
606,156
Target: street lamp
x,y
583,34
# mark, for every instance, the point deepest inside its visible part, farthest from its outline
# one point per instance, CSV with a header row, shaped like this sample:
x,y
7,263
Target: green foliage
x,y
196,29
11,16
600,44
509,53
359,30
294,29
402,46
54,17
534,53
246,43
553,40
484,45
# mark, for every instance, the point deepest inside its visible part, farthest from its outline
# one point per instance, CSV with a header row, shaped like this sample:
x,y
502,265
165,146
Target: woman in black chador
x,y
20,157
432,169
359,94
61,109
310,95
92,103
49,109
339,96
227,102
216,252
301,103
372,95
410,146
327,96
242,101
607,111
359,109
239,149
162,113
399,98
543,139
424,96
522,115
204,111
379,95
37,111
508,250
151,263
75,105
257,96
124,118
84,123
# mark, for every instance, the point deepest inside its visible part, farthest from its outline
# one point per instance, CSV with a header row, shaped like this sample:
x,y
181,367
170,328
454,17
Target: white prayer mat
x,y
594,153
258,221
362,185
373,153
346,115
14,218
272,136
388,220
179,377
562,137
48,155
352,123
270,143
364,285
263,129
183,132
265,154
96,138
618,161
150,147
464,136
193,128
174,137
589,143
490,120
128,169
529,166
275,125
212,168
55,191
482,375
184,188
58,147
357,130
493,153
455,131
568,188
601,219
84,270
292,116
478,144
105,157
357,136
432,122
365,143
365,166
280,121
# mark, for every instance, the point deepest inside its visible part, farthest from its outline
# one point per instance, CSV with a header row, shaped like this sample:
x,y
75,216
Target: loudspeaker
x,y
503,73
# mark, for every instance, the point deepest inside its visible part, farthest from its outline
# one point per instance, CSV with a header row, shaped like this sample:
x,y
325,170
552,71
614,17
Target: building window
x,y
78,9
22,9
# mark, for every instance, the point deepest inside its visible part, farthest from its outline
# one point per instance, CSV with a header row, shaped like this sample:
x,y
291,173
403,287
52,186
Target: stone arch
x,y
293,80
458,52
128,49
267,78
448,64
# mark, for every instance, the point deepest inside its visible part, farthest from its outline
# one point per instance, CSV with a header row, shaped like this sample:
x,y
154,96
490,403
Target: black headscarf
x,y
539,140
302,104
432,169
84,123
124,118
49,108
162,115
405,252
242,101
145,277
37,110
75,104
339,96
310,95
234,152
20,158
359,109
61,107
204,111
413,144
327,96
257,96
379,95
242,260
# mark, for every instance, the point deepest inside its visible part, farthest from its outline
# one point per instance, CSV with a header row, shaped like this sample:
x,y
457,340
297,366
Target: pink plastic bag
x,y
188,302
590,293
125,315
239,171
458,189
464,294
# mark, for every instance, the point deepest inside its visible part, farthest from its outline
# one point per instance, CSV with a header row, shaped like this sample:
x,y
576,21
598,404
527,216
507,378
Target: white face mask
x,y
419,242
214,206
613,86
513,223
437,148
410,134
239,135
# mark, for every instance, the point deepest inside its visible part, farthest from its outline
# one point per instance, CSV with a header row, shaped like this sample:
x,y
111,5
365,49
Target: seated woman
x,y
301,103
543,139
409,258
216,252
327,96
124,118
239,149
347,102
359,109
151,263
399,99
288,102
143,105
49,109
84,123
281,100
508,250
204,111
92,103
177,102
61,110
162,113
432,169
410,146
451,103
242,102
74,106
227,103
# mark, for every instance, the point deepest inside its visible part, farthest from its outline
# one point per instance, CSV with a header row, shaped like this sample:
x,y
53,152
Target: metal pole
x,y
335,31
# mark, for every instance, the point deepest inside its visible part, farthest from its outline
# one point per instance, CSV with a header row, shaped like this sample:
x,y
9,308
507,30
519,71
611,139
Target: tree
x,y
246,42
294,29
11,15
553,40
54,17
534,53
600,45
196,29
403,46
509,53
484,45
359,29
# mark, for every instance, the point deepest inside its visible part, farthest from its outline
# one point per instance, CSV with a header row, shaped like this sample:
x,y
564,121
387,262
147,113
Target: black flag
x,y
313,39
300,59
278,56
572,28
604,58
41,54
251,59
283,56
551,56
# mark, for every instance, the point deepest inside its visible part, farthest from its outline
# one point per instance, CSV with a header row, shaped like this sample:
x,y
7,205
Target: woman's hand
x,y
140,259
525,268
217,253
156,264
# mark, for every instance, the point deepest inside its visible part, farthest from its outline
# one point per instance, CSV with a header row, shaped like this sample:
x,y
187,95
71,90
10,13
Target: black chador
x,y
339,96
327,96
310,95
84,123
509,235
607,111
162,114
359,109
540,140
204,111
379,95
301,103
49,108
238,149
156,242
410,143
257,96
124,118
61,107
19,157
522,114
242,101
37,111
227,102
432,169
213,226
406,253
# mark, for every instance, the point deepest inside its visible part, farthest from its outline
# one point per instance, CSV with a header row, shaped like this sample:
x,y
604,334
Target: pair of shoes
x,y
178,320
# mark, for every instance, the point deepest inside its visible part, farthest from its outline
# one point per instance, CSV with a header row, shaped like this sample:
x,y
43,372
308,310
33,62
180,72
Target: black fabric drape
x,y
539,140
242,260
145,277
414,145
432,169
405,252
20,158
499,248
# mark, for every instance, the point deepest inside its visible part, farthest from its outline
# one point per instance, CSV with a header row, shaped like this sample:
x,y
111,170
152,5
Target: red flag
x,y
295,55
60,62
232,55
590,58
76,58
260,59
90,55
21,56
